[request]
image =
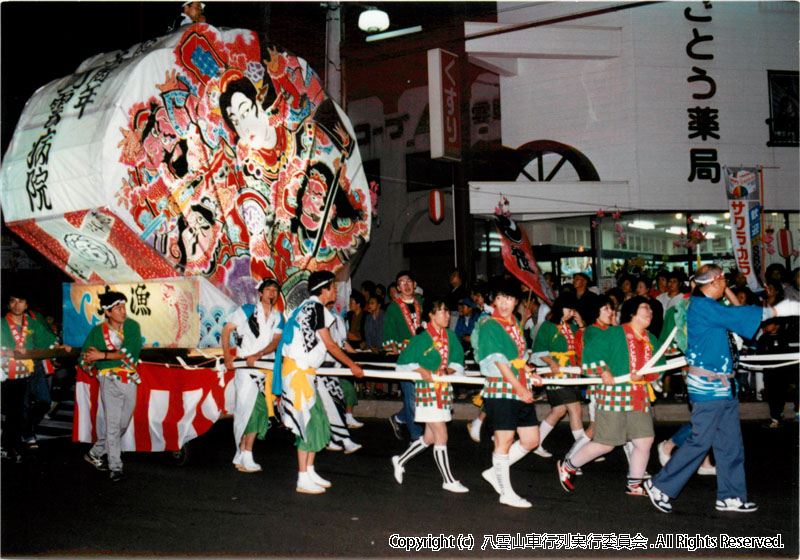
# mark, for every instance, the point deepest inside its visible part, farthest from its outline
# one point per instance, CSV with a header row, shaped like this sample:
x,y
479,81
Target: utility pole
x,y
333,56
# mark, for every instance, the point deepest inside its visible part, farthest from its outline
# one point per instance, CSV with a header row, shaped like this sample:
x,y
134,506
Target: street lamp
x,y
373,20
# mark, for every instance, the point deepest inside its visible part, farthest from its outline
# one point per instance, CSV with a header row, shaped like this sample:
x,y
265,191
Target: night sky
x,y
44,41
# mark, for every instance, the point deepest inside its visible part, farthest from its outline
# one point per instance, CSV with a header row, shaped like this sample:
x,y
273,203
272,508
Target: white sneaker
x,y
351,447
352,423
332,446
657,497
490,477
317,479
707,471
542,452
398,469
474,430
247,464
663,456
513,500
455,487
306,486
736,504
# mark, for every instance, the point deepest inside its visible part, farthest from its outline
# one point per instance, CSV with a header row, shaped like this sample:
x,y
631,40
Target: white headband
x,y
321,285
708,281
120,299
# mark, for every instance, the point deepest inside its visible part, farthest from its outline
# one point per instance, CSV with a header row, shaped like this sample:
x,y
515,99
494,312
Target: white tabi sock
x,y
315,478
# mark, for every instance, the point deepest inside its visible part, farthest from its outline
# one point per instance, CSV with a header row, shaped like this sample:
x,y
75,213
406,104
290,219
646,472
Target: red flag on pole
x,y
518,257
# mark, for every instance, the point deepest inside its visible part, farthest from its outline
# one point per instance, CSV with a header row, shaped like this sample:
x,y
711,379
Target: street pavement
x,y
55,504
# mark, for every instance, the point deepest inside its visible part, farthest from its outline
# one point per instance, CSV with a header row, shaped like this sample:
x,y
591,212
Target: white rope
x,y
771,366
769,357
477,379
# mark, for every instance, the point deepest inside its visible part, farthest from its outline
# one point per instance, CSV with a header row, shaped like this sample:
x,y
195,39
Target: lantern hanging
x,y
436,206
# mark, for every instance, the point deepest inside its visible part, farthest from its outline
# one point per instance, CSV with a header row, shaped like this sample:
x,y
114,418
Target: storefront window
x,y
646,240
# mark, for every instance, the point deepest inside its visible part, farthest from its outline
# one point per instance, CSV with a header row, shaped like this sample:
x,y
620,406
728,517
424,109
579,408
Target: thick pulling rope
x,y
477,379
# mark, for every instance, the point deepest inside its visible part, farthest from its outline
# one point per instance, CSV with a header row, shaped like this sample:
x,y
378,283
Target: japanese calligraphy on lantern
x,y
201,154
444,100
743,188
703,121
168,311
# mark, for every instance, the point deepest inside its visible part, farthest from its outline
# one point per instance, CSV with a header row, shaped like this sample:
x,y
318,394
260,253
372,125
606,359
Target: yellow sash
x,y
650,391
268,396
562,358
519,363
300,383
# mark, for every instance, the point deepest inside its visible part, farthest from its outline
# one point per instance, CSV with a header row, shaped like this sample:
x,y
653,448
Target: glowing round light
x,y
373,20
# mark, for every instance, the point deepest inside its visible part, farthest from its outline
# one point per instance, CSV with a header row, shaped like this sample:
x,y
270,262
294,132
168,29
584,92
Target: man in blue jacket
x,y
711,354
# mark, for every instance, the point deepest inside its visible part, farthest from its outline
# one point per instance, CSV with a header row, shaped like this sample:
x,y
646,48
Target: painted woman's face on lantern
x,y
313,203
251,125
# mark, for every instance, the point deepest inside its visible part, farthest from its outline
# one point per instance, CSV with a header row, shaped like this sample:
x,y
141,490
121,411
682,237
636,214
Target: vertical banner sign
x,y
743,187
518,257
444,101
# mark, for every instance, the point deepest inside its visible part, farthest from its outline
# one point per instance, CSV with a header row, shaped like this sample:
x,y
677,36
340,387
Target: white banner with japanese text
x,y
743,188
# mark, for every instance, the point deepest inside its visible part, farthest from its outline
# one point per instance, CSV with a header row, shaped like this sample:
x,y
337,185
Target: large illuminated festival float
x,y
181,172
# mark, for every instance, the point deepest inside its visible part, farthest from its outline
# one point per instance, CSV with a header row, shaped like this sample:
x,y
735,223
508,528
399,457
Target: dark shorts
x,y
564,395
510,414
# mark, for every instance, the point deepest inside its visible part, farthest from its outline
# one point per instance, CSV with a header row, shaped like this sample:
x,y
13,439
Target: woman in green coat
x,y
435,351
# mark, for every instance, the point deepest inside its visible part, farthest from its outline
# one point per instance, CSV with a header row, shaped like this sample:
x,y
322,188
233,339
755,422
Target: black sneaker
x,y
115,476
97,462
397,427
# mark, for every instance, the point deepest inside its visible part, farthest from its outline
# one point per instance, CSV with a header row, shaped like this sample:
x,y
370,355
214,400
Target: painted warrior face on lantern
x,y
196,234
313,203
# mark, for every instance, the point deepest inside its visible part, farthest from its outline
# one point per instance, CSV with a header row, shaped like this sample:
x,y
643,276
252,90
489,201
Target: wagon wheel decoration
x,y
548,160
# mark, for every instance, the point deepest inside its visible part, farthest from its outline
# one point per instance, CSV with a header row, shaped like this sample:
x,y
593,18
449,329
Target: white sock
x,y
417,446
476,424
544,430
500,464
516,452
579,443
578,434
443,462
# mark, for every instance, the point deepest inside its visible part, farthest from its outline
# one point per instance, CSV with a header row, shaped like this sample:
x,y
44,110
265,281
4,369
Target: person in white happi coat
x,y
332,392
257,331
305,343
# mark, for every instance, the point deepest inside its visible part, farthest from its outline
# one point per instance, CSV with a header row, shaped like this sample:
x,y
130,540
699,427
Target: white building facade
x,y
660,98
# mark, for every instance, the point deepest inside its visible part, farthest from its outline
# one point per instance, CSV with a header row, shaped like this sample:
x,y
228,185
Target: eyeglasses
x,y
405,282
